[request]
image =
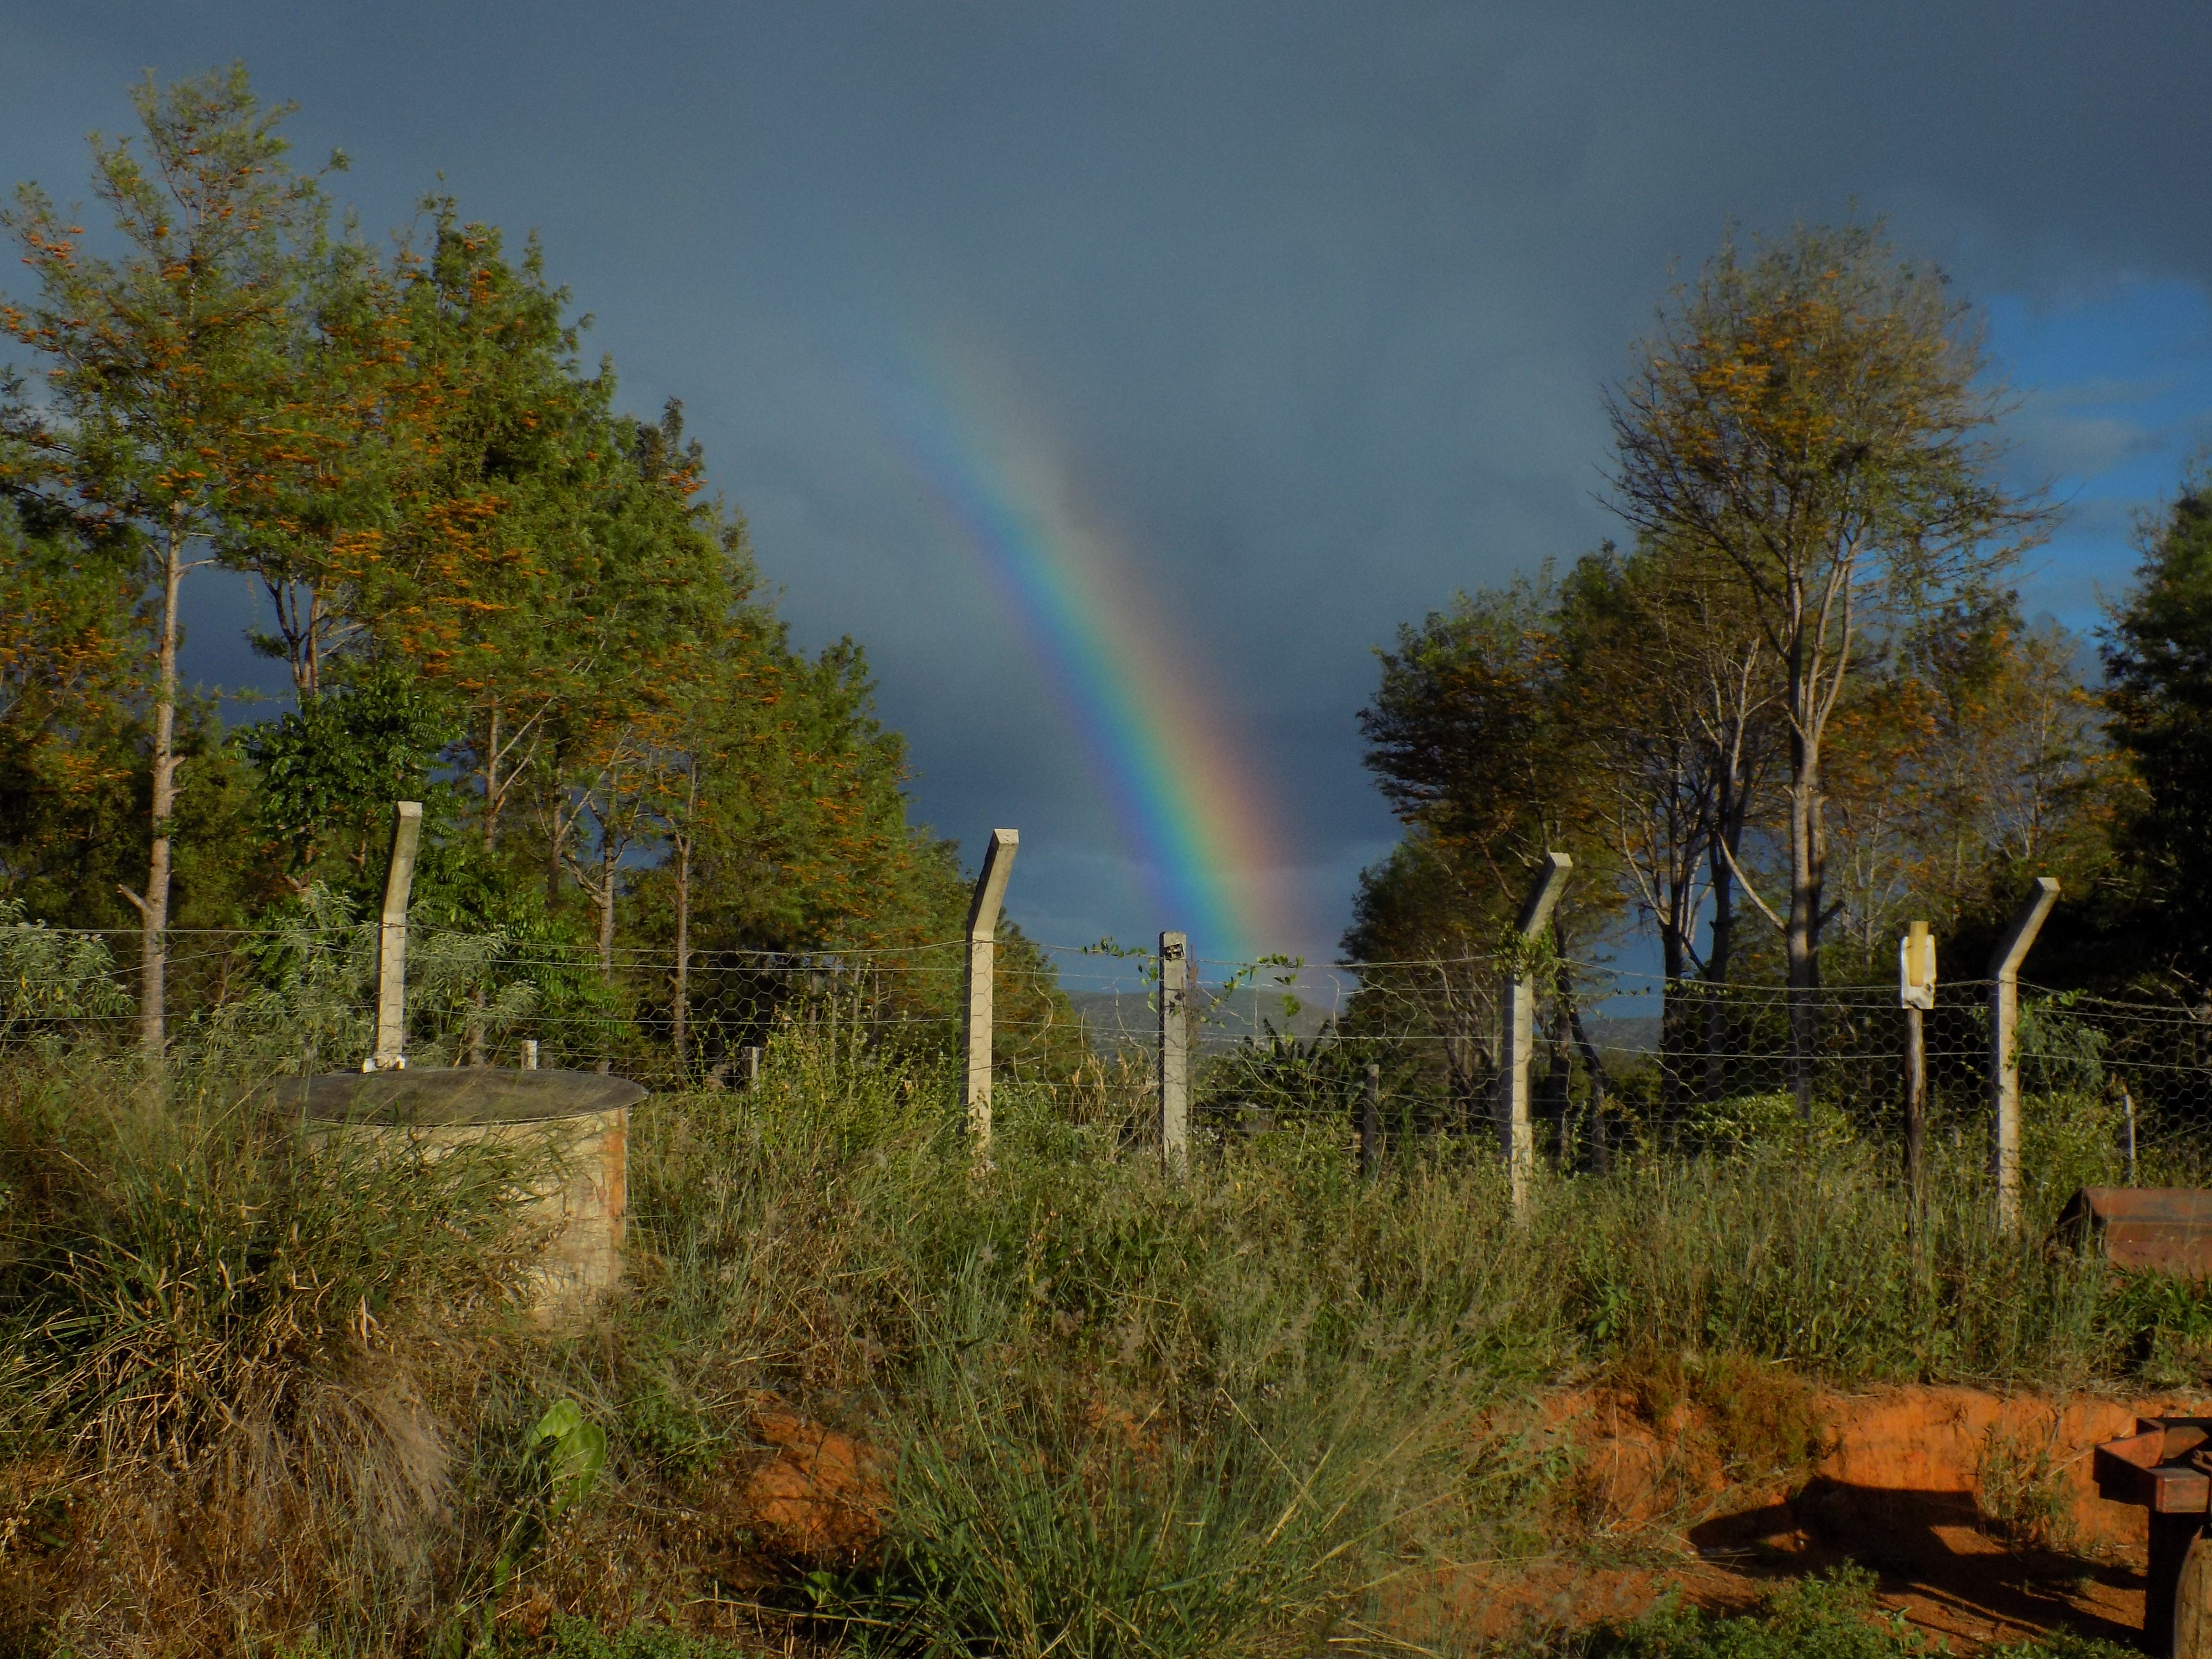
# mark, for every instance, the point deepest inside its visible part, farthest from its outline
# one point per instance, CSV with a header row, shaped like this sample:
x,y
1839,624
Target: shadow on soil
x,y
1932,1551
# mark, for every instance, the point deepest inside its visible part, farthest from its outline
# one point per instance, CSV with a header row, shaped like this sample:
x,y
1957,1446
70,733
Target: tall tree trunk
x,y
491,781
1671,961
556,839
1718,949
608,853
679,1008
1559,1082
1600,1085
313,684
1808,858
154,906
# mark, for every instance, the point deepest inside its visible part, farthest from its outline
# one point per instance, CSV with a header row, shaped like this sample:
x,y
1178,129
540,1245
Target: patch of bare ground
x,y
1710,1480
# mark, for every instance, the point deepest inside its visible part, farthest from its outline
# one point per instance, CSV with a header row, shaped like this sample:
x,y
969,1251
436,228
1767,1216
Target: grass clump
x,y
209,1325
577,1639
1034,1528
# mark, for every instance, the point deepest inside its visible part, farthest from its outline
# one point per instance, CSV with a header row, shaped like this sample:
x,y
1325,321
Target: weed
x,y
1767,1419
577,1638
2168,1323
2019,1492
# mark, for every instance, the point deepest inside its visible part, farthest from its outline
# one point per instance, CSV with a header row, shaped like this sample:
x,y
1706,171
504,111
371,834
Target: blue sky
x,y
1315,301
2115,390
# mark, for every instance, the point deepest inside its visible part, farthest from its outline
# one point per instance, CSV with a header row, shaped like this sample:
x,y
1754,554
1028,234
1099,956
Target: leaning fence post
x,y
391,1051
982,959
2004,1055
1175,1052
1518,1033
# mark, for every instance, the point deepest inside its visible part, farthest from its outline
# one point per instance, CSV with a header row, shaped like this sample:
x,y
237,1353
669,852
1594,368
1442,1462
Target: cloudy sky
x,y
1310,306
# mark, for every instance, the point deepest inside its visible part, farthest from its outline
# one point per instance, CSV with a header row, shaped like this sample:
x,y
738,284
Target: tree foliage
x,y
1814,413
2158,654
493,590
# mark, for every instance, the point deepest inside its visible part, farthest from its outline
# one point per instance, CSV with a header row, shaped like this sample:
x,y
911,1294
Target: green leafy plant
x,y
562,1460
2020,1490
54,985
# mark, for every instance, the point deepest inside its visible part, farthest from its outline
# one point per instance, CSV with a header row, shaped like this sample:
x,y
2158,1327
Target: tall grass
x,y
1105,1389
206,1322
269,1392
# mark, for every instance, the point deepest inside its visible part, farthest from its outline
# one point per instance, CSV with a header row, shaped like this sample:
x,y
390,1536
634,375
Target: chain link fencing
x,y
1621,1061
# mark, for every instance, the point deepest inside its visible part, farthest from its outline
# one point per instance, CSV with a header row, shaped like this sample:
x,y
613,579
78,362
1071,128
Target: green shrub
x,y
1044,1525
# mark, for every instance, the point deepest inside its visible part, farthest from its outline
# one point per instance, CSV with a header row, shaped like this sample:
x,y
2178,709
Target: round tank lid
x,y
454,1095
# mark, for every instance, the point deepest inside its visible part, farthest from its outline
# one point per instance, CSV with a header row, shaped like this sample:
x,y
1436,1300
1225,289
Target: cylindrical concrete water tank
x,y
582,1117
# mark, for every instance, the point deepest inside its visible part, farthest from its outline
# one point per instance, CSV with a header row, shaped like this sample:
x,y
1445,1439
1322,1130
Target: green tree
x,y
330,770
1478,736
1970,764
2158,658
1814,412
159,360
72,645
1467,734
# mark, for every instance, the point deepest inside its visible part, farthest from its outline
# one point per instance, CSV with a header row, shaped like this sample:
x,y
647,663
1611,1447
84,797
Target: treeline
x,y
1799,704
493,589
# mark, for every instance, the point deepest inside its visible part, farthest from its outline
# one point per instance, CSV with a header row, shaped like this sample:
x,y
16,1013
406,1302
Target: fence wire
x,y
1621,1059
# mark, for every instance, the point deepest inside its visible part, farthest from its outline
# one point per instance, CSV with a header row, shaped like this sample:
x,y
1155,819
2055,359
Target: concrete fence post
x,y
1915,993
1517,1032
1175,1052
982,960
391,1051
2004,1044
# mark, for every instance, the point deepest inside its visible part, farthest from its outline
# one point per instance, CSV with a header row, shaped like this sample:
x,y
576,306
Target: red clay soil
x,y
1977,1511
814,1495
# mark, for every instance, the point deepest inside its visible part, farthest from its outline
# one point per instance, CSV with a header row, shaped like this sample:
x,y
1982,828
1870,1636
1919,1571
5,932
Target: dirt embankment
x,y
1710,1478
1978,1510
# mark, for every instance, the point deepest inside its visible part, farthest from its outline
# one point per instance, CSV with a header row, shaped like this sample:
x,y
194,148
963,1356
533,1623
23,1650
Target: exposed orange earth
x,y
1977,1510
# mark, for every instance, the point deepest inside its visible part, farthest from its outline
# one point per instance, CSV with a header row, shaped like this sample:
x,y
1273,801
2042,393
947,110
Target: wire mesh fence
x,y
2120,1090
1618,1060
303,996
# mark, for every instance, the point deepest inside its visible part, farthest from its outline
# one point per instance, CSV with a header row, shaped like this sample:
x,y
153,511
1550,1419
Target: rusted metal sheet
x,y
2162,1229
2164,1466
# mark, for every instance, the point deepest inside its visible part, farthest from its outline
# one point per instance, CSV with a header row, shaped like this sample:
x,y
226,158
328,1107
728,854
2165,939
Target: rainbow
x,y
1189,809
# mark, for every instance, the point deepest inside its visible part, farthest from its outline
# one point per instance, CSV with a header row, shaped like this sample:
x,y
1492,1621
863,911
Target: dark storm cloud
x,y
1318,300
